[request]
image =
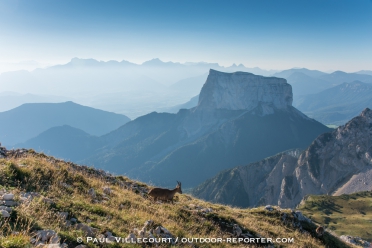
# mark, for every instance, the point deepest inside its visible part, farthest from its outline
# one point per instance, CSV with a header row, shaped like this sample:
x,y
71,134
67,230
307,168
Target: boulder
x,y
269,208
87,229
4,214
107,190
8,197
10,203
63,215
8,209
92,192
45,235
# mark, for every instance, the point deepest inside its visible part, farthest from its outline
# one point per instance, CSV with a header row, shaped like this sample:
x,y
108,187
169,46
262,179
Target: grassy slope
x,y
344,215
39,173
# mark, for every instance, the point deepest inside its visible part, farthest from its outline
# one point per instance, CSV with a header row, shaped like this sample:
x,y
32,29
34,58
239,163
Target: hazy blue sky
x,y
271,34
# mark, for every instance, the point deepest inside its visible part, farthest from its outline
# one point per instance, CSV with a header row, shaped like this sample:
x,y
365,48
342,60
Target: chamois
x,y
165,194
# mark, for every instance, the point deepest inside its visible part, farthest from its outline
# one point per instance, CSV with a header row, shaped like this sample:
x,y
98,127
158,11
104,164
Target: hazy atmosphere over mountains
x,y
261,104
122,87
27,121
236,113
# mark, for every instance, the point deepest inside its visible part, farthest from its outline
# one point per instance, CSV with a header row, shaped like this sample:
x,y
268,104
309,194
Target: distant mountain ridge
x,y
11,100
187,105
64,142
29,120
338,104
306,81
335,163
138,89
289,72
130,89
367,72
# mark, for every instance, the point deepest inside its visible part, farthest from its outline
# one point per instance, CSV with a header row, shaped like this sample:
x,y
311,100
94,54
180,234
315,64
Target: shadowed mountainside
x,y
335,163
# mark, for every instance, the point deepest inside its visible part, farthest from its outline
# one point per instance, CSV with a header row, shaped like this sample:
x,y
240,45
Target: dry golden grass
x,y
339,213
39,173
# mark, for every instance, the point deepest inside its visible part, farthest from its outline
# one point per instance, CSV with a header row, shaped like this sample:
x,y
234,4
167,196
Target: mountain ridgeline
x,y
337,105
306,81
29,120
117,86
335,163
240,118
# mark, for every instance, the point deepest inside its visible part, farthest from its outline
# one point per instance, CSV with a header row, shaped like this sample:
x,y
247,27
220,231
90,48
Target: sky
x,y
270,34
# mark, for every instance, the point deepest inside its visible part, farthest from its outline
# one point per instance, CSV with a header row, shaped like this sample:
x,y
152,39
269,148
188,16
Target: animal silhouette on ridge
x,y
165,194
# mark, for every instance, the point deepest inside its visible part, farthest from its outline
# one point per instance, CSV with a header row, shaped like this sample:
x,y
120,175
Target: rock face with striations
x,y
228,95
339,162
244,91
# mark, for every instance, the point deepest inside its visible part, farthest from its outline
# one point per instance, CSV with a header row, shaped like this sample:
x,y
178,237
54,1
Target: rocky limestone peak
x,y
367,114
244,91
338,162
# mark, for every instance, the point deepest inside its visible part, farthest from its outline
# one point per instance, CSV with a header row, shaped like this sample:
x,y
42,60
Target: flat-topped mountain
x,y
244,91
335,163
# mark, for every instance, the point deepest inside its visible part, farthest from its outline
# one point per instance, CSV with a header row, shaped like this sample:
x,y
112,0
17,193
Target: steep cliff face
x,y
244,91
251,185
228,95
335,163
338,162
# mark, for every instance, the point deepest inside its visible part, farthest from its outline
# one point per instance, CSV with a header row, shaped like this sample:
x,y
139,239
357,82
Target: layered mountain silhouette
x,y
306,81
335,163
29,120
130,89
187,105
240,118
138,89
64,142
338,104
11,100
366,72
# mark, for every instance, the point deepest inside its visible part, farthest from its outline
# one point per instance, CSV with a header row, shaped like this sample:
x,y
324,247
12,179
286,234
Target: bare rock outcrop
x,y
244,91
227,95
334,162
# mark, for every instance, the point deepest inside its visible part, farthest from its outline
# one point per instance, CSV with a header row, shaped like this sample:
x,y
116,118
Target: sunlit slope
x,y
63,201
345,214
